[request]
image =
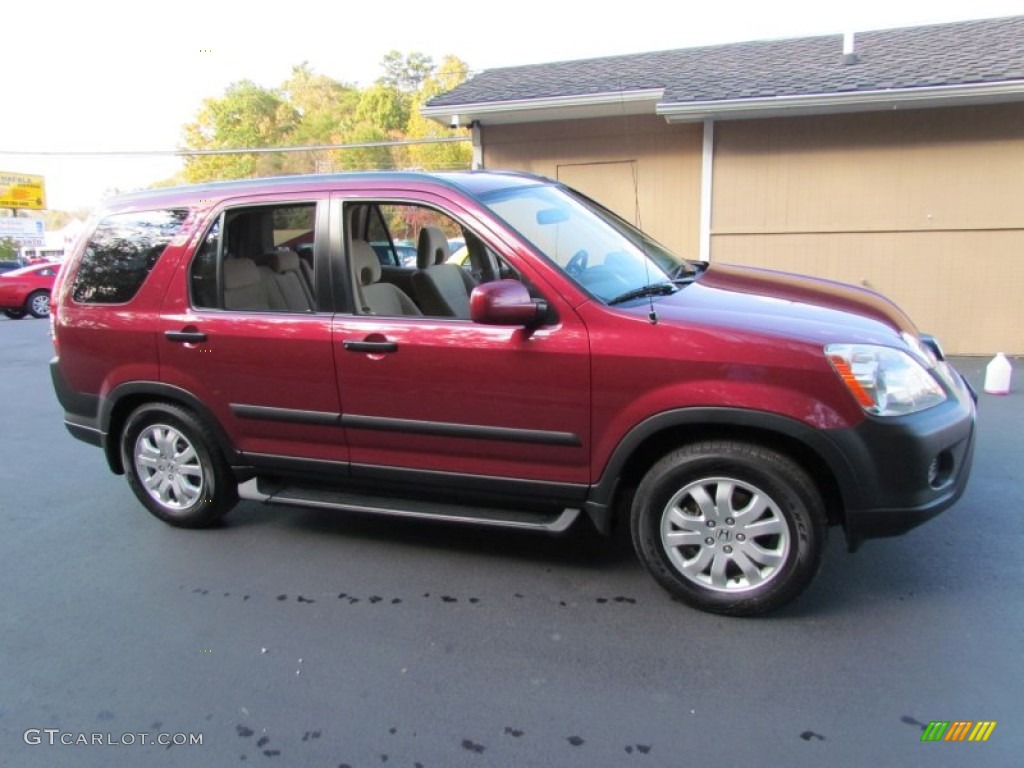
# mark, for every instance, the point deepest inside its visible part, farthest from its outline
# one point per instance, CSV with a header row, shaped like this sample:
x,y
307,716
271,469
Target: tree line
x,y
311,109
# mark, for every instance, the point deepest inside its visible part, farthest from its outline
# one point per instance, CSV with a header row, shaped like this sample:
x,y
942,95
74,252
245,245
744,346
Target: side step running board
x,y
427,510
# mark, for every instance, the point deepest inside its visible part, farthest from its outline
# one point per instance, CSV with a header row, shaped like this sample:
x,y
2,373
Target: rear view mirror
x,y
552,216
505,302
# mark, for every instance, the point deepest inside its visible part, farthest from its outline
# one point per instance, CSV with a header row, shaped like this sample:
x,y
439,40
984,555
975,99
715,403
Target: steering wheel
x,y
577,263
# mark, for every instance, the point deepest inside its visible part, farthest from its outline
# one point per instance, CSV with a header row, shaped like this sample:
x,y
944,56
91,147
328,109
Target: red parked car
x,y
26,291
575,368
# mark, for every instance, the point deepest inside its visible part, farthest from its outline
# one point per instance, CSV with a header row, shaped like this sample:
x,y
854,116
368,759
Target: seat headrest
x,y
284,261
239,273
432,248
366,263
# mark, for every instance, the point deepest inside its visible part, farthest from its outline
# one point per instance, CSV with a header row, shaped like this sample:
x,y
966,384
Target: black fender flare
x,y
156,391
602,493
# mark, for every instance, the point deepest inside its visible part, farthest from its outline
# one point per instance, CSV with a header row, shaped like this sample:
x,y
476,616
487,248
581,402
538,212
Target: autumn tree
x,y
448,74
396,96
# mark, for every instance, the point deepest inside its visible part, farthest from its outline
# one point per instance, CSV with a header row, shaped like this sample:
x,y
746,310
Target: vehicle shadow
x,y
581,546
884,573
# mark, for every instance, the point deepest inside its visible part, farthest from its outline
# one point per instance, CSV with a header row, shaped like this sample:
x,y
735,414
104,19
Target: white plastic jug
x,y
997,375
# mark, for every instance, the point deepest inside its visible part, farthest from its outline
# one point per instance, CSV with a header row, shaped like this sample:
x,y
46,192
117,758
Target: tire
x,y
174,466
15,314
38,304
729,527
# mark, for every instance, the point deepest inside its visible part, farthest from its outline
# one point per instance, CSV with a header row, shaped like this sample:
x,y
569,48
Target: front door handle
x,y
188,337
370,346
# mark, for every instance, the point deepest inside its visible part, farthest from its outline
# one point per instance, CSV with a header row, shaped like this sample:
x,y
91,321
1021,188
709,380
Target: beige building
x,y
890,159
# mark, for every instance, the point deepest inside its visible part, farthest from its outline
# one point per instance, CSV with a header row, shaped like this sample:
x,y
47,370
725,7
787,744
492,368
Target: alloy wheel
x,y
169,467
724,534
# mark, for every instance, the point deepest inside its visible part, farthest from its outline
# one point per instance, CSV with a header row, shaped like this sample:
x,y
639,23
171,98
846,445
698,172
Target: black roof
x,y
961,53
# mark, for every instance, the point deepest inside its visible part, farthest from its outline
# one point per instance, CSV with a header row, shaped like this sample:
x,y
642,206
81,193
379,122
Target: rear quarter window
x,y
121,252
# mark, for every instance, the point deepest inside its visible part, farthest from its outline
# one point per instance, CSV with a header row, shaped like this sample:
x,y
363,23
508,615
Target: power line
x,y
238,151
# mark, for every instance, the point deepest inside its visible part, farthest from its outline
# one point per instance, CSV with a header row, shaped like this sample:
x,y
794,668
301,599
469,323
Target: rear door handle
x,y
193,337
370,346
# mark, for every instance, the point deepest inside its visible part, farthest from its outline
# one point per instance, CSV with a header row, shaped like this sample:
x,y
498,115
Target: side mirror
x,y
505,302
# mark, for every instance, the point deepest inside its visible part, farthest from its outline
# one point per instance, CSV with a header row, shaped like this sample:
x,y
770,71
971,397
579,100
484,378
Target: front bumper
x,y
908,469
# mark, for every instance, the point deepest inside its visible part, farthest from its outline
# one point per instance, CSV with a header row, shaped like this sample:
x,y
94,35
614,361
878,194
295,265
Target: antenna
x,y
652,315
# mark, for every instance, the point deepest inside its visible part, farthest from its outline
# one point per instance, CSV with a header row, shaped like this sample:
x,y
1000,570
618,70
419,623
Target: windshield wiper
x,y
654,289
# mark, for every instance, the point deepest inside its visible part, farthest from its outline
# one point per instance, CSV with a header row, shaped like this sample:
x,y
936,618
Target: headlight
x,y
885,381
925,355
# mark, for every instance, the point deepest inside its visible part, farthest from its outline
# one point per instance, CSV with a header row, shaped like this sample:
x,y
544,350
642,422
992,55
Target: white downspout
x,y
478,146
706,178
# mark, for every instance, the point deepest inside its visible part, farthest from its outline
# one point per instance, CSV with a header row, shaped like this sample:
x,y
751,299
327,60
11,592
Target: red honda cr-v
x,y
260,340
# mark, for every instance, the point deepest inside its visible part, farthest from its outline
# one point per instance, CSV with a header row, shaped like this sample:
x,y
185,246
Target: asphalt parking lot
x,y
291,637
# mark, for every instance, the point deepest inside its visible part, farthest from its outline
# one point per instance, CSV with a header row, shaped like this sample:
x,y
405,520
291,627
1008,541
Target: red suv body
x,y
243,339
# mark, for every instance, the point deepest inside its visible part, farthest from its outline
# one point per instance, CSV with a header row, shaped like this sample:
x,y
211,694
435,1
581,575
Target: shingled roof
x,y
948,63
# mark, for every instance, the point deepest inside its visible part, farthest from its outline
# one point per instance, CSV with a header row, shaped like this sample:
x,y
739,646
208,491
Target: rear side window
x,y
121,253
258,259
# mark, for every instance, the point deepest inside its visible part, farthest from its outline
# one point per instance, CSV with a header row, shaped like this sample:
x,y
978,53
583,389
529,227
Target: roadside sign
x,y
22,190
28,232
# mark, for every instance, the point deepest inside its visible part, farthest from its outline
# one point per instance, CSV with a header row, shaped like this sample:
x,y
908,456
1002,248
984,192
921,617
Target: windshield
x,y
601,252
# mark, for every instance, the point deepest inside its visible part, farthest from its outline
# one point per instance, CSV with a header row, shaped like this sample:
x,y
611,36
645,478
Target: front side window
x,y
601,252
121,253
414,260
257,258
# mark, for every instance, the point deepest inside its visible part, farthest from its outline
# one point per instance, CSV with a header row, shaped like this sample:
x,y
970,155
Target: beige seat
x,y
431,248
244,287
442,289
377,298
286,271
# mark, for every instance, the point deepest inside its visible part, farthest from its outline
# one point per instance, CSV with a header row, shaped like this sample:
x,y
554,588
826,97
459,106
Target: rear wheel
x,y
15,314
174,466
38,304
729,527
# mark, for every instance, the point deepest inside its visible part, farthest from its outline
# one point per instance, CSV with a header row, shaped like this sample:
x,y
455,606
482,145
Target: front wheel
x,y
15,314
729,527
174,466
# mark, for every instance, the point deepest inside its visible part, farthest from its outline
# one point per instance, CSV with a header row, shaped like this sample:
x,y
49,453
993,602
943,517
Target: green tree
x,y
317,98
326,109
246,116
405,73
311,109
365,158
384,107
8,249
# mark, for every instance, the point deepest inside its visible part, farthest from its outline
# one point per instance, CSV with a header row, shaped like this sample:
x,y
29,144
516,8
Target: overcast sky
x,y
115,75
